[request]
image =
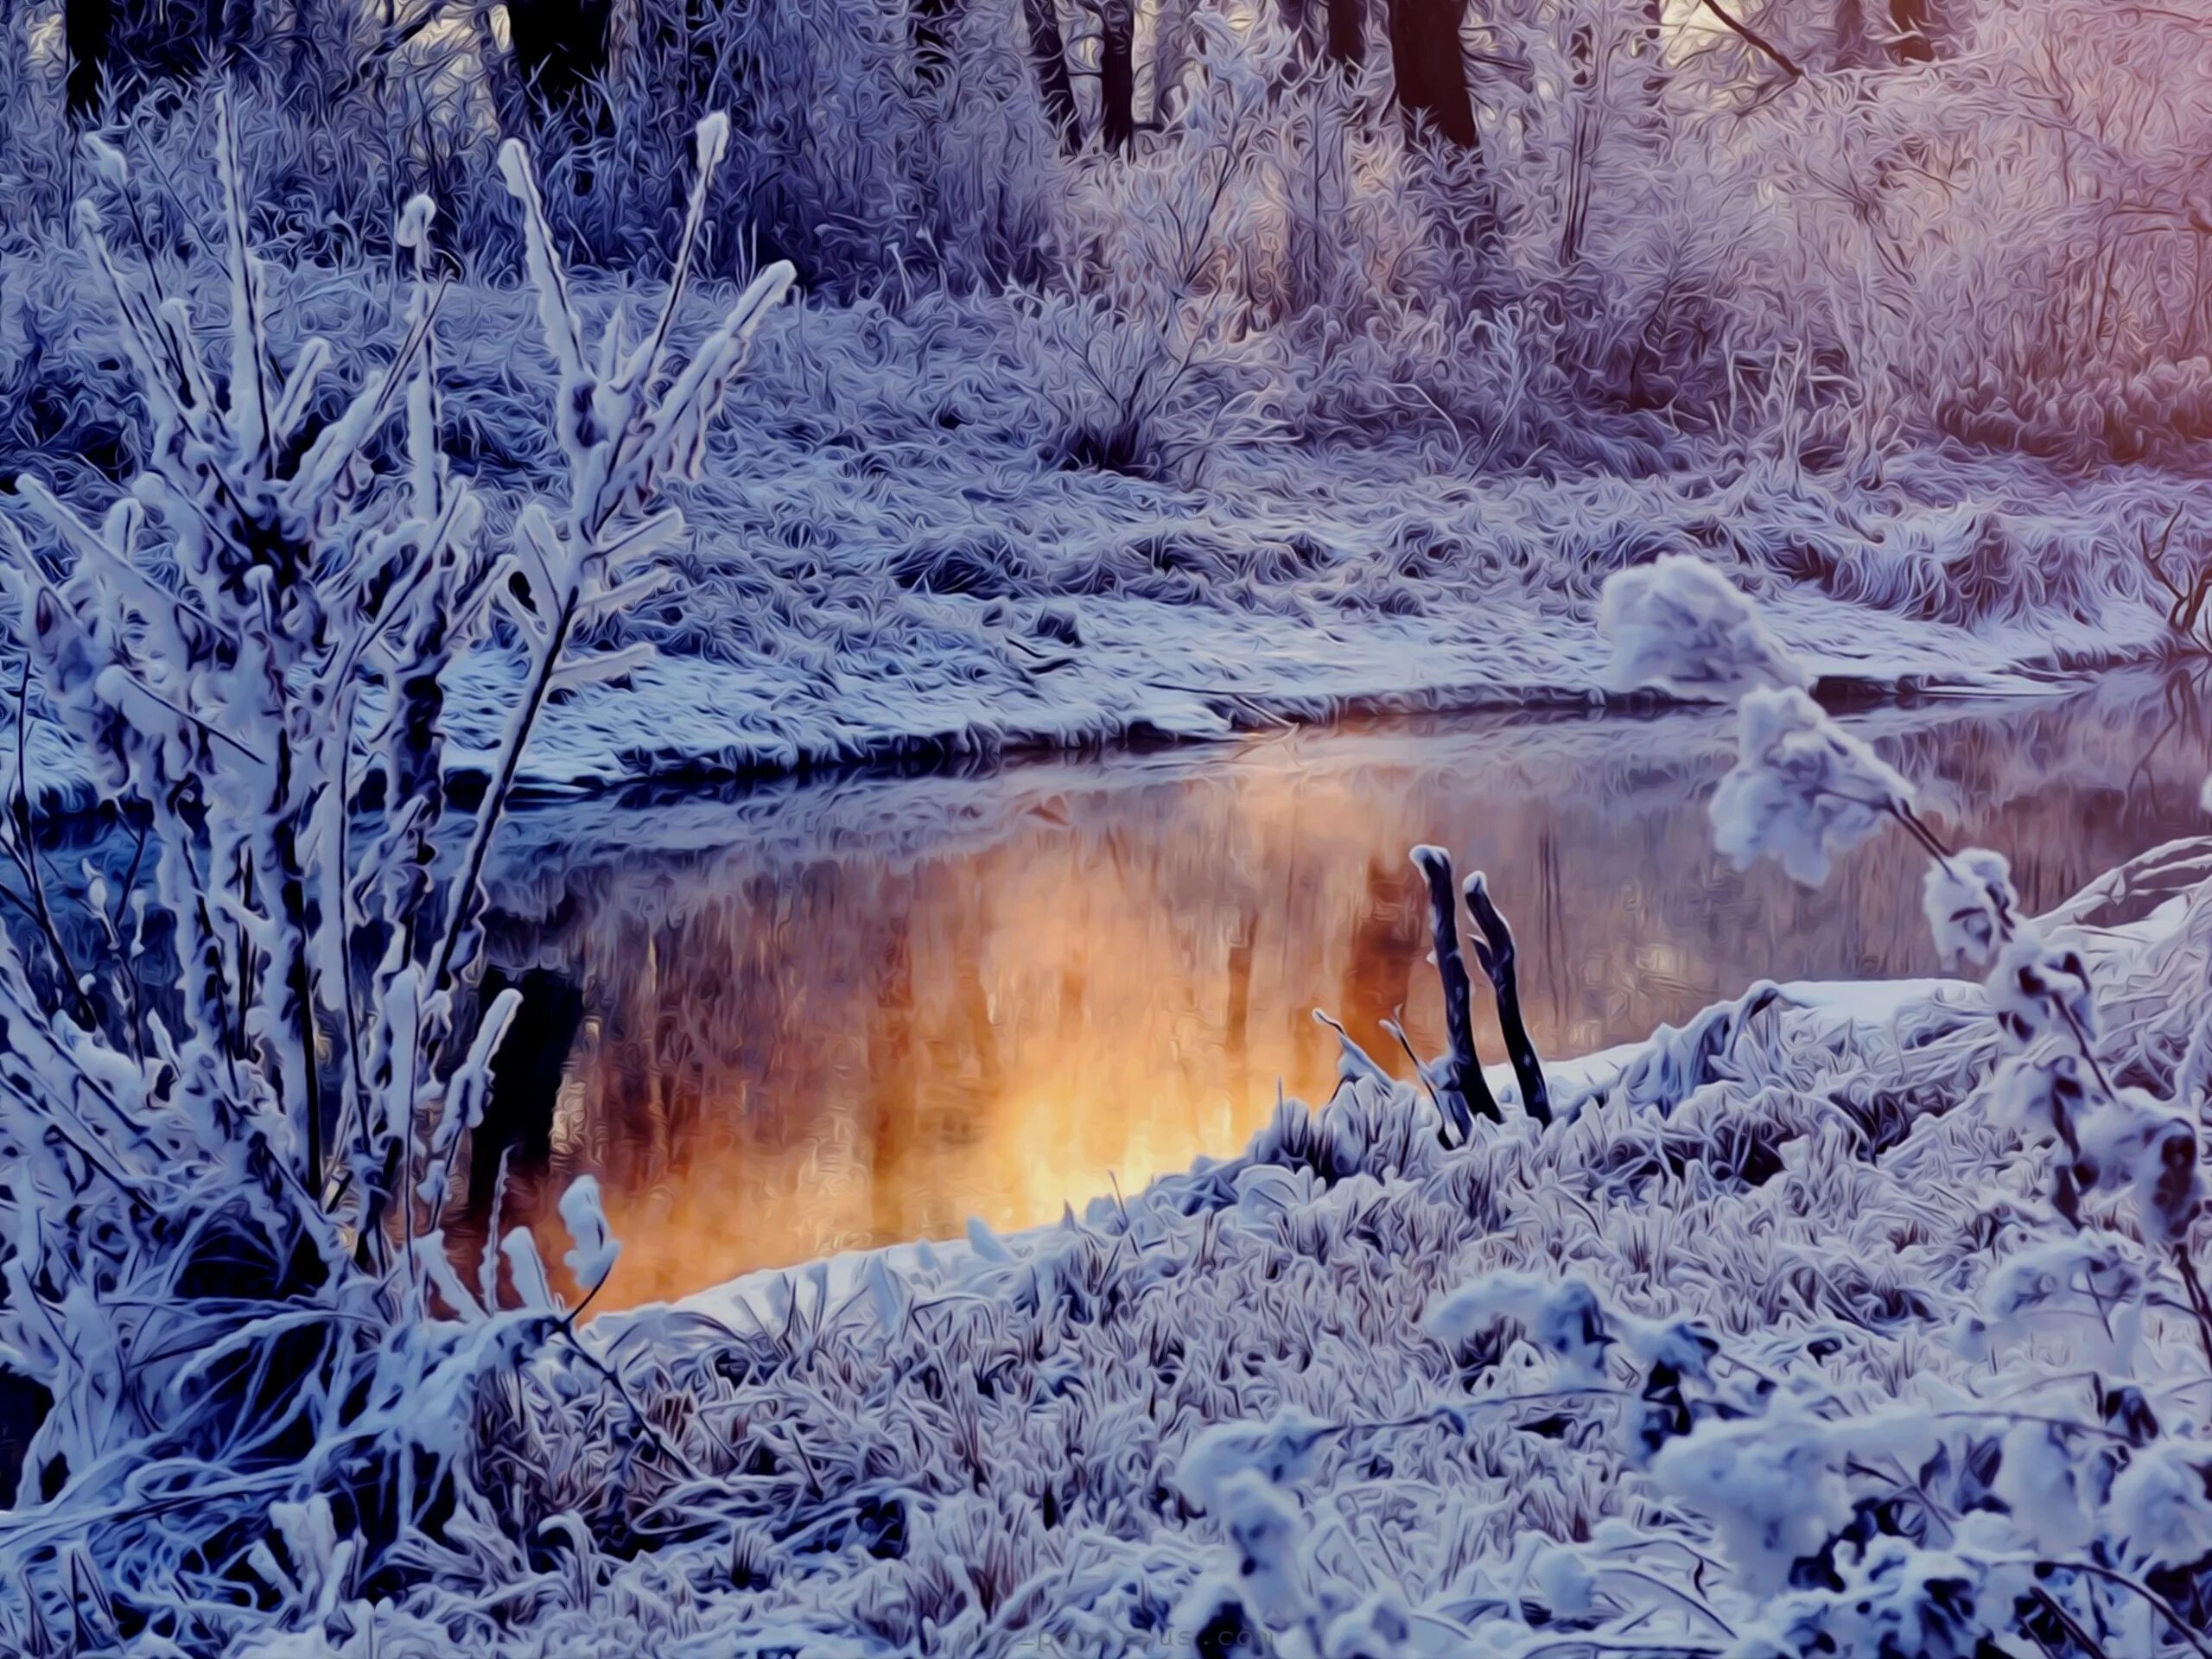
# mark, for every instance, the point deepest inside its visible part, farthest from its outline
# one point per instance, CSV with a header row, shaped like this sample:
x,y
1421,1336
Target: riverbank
x,y
1145,669
887,559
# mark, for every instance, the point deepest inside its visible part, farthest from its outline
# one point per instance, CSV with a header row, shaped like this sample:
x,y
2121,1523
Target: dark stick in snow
x,y
1494,949
1469,1092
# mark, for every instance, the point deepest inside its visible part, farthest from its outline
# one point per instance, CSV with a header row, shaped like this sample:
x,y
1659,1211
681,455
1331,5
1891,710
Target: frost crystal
x,y
2087,1283
1969,903
1679,625
415,221
1379,1628
1768,1486
107,161
2037,1477
1564,1318
1802,789
2162,1504
1266,1525
2043,1096
1281,1450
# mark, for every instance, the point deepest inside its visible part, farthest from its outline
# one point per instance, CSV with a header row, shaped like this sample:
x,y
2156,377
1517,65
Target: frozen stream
x,y
825,1015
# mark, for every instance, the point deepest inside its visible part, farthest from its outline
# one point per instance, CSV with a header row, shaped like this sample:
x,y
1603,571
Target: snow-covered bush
x,y
230,1134
1680,625
1801,789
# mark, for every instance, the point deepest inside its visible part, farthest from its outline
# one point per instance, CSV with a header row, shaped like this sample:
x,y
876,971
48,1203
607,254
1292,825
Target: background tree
x,y
1431,69
1348,31
1117,73
1048,52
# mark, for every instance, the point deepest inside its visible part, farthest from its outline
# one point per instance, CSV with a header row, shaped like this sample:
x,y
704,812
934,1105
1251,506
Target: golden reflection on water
x,y
856,1013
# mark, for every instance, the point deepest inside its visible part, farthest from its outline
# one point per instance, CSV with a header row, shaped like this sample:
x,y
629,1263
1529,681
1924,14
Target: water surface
x,y
823,1016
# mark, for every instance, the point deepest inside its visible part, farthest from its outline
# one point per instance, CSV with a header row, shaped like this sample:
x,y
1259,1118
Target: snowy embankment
x,y
1148,668
884,559
1773,1337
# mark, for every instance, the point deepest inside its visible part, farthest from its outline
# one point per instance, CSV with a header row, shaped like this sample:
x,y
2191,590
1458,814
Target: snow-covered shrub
x,y
230,1134
1801,789
1146,363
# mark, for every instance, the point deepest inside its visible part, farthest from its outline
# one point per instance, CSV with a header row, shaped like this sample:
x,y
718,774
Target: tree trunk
x,y
1117,76
1909,20
1348,32
930,28
1432,70
1170,56
560,48
1048,54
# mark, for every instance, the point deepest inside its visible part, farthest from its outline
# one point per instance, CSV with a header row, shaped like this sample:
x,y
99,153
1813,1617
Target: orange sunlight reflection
x,y
1094,972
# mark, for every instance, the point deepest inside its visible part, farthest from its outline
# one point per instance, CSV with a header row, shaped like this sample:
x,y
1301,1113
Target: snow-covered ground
x,y
1775,1343
885,559
1839,1322
1147,667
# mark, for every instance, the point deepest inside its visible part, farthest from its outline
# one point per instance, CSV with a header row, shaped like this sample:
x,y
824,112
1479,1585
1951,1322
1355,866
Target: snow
x,y
1198,673
825,608
1680,625
1804,790
596,1248
1968,900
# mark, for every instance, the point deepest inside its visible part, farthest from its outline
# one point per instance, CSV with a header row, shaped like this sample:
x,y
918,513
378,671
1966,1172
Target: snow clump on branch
x,y
1679,625
1804,790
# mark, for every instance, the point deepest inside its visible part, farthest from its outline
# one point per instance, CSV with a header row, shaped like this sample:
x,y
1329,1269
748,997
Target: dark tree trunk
x,y
1432,70
1048,54
86,27
560,48
1908,19
1348,31
1117,78
929,26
